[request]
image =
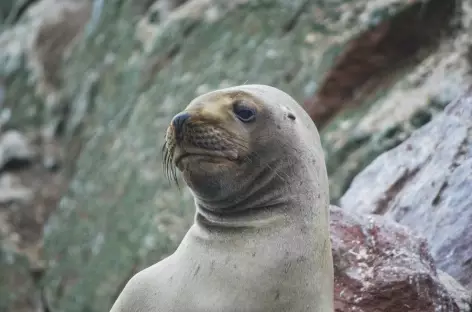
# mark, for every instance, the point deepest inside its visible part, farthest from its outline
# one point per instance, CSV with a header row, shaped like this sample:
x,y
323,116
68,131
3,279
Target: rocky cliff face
x,y
88,87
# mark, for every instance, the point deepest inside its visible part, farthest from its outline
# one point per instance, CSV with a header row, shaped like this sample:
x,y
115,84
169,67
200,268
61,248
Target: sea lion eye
x,y
243,112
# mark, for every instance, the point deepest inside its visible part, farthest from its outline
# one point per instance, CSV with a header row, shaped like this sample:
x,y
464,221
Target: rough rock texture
x,y
376,54
29,191
389,80
11,10
31,179
124,75
426,184
381,266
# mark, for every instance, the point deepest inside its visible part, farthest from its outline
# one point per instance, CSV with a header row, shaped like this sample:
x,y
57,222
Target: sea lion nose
x,y
179,120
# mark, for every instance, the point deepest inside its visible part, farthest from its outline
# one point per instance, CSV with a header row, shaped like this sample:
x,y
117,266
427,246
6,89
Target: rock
x,y
32,53
388,81
11,190
370,58
27,197
14,146
463,296
34,37
57,28
9,10
2,92
381,266
15,274
425,183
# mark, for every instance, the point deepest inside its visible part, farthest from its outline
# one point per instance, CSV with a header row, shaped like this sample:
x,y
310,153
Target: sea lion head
x,y
246,147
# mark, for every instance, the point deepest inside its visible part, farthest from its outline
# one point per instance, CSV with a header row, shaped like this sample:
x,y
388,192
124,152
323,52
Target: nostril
x,y
179,120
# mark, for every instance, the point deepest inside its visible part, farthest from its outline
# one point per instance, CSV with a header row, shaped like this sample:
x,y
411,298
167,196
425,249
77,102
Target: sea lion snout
x,y
179,121
203,142
192,131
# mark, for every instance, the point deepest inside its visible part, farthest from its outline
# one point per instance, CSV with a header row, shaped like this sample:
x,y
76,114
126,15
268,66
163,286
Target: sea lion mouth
x,y
183,157
202,155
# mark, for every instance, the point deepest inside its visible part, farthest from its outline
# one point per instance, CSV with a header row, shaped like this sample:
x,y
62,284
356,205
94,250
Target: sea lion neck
x,y
273,199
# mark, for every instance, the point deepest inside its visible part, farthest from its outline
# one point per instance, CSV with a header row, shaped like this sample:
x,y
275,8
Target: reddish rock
x,y
368,60
381,266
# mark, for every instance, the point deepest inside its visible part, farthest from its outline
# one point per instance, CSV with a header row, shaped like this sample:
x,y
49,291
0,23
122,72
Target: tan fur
x,y
260,241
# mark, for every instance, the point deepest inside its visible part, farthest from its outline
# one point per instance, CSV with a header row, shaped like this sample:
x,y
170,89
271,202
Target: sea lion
x,y
260,242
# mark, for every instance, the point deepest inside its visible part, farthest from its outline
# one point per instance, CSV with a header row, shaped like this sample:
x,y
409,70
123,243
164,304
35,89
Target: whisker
x,y
164,152
170,169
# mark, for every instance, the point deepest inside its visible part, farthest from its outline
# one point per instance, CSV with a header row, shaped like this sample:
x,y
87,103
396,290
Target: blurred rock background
x,y
87,89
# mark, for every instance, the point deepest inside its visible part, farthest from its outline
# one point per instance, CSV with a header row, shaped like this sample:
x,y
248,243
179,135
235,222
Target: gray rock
x,y
14,146
426,184
11,190
462,296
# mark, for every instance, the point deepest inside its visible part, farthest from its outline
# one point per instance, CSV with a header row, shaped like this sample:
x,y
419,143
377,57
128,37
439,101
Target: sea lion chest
x,y
236,275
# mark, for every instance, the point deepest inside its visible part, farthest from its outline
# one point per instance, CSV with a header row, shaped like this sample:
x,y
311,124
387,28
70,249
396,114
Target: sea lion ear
x,y
288,113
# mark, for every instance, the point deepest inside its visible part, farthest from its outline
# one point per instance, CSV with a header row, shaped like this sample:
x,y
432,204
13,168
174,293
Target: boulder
x,y
382,266
14,147
425,183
